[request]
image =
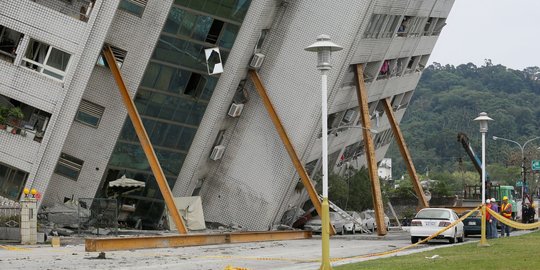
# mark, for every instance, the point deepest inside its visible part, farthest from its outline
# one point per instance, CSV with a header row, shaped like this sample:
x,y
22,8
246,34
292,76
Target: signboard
x,y
535,164
519,183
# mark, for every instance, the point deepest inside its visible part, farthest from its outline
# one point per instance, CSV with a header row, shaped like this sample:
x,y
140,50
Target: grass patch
x,y
518,252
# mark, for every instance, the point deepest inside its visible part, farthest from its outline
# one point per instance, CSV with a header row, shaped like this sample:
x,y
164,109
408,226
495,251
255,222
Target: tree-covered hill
x,y
447,100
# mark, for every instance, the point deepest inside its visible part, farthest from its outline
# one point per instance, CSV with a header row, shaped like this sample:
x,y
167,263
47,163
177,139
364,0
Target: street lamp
x,y
523,169
483,119
324,48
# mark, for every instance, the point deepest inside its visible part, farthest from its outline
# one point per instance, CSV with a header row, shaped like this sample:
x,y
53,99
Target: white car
x,y
430,220
341,225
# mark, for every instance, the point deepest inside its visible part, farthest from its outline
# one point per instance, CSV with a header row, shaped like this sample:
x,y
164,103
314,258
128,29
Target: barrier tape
x,y
348,258
513,224
12,248
409,246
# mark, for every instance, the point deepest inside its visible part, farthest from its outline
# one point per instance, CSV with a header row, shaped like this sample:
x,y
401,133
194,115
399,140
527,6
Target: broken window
x,y
46,59
69,166
9,41
390,26
412,64
371,71
214,32
396,101
441,22
195,85
406,99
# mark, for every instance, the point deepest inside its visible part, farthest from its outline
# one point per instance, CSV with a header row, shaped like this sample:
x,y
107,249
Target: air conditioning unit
x,y
217,152
235,110
256,61
349,116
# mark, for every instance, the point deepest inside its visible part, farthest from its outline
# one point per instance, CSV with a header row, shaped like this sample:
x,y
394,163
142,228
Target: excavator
x,y
472,194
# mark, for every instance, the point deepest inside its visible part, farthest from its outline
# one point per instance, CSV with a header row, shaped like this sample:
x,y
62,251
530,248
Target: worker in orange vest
x,y
506,211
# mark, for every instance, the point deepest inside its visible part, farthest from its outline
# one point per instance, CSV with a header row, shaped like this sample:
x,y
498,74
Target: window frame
x,y
43,67
70,162
96,109
137,3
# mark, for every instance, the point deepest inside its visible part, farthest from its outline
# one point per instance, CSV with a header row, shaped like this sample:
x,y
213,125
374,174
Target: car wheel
x,y
414,239
353,229
343,231
453,238
460,239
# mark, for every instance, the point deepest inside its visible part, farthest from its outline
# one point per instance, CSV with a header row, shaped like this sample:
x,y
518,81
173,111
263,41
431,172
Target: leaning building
x,y
212,134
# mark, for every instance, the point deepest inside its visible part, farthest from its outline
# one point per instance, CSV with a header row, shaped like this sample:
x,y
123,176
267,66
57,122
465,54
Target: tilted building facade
x,y
74,136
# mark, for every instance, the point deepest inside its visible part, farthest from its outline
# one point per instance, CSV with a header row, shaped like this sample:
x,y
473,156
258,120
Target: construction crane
x,y
472,193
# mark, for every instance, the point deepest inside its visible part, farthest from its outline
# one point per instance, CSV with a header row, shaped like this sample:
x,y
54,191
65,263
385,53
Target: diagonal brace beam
x,y
145,141
287,142
361,92
405,153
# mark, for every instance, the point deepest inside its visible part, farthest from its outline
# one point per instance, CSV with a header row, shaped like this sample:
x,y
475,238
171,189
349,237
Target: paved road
x,y
289,255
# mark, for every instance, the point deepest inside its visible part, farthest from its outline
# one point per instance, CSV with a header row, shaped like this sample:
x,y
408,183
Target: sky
x,y
505,31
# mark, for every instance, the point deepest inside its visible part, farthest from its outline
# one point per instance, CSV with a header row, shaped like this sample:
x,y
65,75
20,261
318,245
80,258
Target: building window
x,y
12,182
9,40
133,6
119,55
69,166
89,113
46,59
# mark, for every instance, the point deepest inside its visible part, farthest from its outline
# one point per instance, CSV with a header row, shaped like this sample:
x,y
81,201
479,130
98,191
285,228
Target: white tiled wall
x,y
95,145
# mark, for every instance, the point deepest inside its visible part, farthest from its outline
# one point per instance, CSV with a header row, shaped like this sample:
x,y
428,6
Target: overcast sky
x,y
505,31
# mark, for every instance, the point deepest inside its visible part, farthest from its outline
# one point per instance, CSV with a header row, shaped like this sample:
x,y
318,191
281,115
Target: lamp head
x,y
483,119
324,48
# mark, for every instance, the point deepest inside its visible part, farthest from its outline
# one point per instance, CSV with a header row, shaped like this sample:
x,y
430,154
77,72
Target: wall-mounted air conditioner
x,y
217,152
235,110
256,61
349,117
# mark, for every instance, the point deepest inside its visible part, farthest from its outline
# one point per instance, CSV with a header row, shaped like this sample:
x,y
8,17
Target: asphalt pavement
x,y
287,255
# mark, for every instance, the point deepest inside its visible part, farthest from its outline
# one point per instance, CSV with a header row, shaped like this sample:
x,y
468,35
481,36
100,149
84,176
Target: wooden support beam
x,y
405,153
361,92
145,242
145,141
306,181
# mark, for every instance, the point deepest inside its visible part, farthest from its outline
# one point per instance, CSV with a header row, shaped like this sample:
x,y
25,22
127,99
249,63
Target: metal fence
x,y
98,215
10,223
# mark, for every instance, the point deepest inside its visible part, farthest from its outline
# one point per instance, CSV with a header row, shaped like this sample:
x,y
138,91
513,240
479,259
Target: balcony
x,y
20,119
78,9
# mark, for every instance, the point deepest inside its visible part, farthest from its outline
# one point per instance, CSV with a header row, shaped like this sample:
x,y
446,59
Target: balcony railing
x,y
78,9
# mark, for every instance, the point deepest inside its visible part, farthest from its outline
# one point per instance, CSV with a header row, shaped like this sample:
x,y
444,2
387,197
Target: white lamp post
x,y
483,120
324,48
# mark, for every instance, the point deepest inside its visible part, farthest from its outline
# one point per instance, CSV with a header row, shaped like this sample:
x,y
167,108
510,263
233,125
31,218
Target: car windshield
x,y
474,214
433,214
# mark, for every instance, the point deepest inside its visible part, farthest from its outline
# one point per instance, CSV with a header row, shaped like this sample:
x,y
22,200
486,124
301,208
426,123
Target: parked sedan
x,y
472,223
340,224
430,220
371,224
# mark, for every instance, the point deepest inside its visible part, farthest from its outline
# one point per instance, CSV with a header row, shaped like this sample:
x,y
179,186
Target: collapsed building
x,y
211,132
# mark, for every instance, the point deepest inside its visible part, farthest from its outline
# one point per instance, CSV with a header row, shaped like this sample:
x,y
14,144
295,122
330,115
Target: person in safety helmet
x,y
494,221
506,211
